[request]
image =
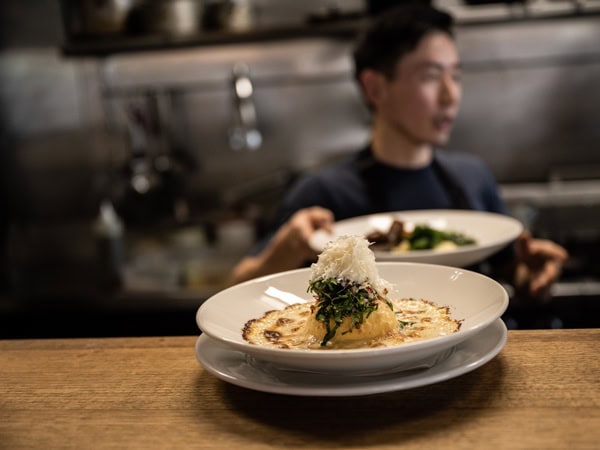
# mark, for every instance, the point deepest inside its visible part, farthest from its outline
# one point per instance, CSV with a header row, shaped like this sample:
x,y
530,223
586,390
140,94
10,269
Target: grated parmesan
x,y
349,257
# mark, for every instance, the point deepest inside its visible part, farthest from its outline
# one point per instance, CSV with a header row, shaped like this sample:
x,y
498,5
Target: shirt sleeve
x,y
307,191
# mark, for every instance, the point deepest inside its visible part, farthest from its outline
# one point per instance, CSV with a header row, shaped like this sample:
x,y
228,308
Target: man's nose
x,y
450,91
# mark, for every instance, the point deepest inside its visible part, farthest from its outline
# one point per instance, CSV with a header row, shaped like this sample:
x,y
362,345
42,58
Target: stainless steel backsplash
x,y
531,104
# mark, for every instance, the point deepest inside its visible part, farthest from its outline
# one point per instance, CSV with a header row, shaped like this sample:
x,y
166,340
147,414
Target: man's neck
x,y
394,148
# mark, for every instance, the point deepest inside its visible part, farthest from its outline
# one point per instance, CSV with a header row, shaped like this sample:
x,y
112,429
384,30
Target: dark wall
x,y
30,23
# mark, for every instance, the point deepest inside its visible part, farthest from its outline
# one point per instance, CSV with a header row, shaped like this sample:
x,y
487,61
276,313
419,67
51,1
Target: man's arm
x,y
289,249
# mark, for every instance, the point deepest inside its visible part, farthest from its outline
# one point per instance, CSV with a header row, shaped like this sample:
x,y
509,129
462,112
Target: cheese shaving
x,y
349,257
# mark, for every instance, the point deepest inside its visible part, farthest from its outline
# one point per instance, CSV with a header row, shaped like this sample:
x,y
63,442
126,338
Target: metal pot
x,y
230,15
172,17
97,17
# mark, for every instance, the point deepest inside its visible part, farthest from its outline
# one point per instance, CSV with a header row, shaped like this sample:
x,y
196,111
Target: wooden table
x,y
541,392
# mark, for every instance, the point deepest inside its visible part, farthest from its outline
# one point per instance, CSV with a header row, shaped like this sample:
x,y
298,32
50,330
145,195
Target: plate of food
x,y
452,237
348,314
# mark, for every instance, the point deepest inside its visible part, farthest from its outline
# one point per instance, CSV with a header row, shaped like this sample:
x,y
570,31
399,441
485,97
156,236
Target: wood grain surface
x,y
541,392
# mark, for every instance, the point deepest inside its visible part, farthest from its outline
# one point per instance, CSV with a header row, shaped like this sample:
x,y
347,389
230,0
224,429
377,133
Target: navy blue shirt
x,y
360,185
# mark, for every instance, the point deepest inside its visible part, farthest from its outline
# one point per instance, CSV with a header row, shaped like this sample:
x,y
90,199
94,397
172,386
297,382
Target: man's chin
x,y
440,141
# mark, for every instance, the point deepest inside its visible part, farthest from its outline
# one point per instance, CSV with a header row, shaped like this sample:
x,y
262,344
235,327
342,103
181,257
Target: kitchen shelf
x,y
105,46
342,27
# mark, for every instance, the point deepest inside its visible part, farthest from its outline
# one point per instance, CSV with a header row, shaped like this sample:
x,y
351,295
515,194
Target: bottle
x,y
108,230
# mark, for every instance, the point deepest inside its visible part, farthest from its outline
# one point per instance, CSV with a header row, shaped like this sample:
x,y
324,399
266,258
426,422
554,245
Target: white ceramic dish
x,y
235,367
491,231
474,299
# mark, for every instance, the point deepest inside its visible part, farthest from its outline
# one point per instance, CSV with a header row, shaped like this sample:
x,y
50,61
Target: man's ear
x,y
373,86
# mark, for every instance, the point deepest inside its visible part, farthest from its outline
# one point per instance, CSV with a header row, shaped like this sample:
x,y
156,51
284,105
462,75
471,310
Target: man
x,y
408,68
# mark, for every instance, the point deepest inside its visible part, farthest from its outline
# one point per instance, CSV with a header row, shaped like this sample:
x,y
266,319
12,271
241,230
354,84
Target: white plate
x,y
491,231
473,298
236,368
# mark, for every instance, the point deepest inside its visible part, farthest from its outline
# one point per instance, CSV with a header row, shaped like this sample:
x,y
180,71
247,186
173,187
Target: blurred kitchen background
x,y
146,143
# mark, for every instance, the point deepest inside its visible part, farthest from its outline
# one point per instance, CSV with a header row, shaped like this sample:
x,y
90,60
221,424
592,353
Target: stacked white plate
x,y
474,299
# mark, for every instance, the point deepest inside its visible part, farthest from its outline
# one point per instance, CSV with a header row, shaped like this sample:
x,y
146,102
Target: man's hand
x,y
289,248
539,264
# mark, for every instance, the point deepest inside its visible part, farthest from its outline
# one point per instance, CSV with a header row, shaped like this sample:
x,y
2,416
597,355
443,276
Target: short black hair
x,y
396,32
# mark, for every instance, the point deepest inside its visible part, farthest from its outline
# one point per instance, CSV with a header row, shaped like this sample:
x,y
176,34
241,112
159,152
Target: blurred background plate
x,y
491,231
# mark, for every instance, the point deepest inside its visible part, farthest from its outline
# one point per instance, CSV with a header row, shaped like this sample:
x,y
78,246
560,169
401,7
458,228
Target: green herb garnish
x,y
427,238
404,323
341,298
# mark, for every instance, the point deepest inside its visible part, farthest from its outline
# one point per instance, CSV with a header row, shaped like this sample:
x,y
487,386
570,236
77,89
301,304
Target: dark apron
x,y
453,188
